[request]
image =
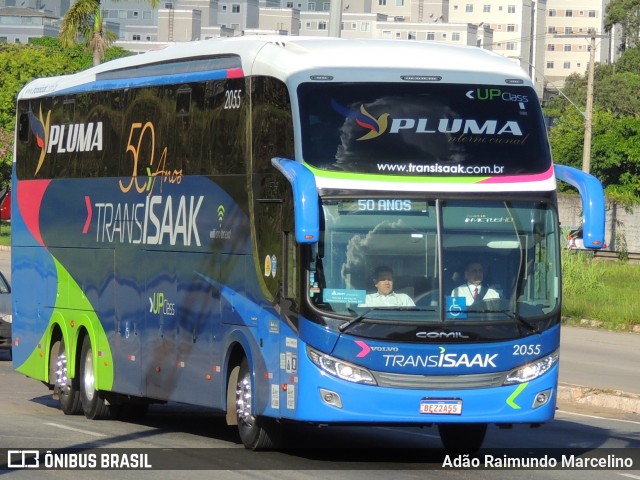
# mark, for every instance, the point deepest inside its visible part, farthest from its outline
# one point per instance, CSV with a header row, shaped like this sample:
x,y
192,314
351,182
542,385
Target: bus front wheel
x,y
255,433
93,403
462,438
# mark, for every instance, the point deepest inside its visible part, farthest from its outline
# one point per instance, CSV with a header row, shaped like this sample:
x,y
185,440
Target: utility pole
x,y
588,113
588,117
335,18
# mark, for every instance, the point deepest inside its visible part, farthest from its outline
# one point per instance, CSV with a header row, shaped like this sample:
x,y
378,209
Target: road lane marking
x,y
630,475
86,432
599,418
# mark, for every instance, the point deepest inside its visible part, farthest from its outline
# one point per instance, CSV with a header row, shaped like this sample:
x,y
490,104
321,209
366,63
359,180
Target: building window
x,y
592,14
551,30
147,15
511,9
326,6
552,12
468,8
364,27
566,65
443,36
511,45
224,8
567,47
235,8
289,4
568,30
135,38
551,47
568,13
399,3
511,27
307,25
431,35
322,25
549,64
412,36
386,34
455,37
311,7
486,8
382,3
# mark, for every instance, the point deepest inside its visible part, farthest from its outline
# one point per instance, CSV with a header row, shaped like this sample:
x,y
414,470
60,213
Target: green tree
x,y
625,13
6,157
615,149
84,23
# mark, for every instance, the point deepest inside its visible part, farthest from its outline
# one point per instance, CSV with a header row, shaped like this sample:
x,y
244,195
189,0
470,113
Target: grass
x,y
5,233
604,293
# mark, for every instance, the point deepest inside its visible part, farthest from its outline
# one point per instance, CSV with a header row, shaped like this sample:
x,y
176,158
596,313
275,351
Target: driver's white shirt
x,y
392,300
467,290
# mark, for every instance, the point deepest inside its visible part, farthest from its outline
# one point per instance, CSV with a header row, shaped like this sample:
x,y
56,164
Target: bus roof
x,y
293,59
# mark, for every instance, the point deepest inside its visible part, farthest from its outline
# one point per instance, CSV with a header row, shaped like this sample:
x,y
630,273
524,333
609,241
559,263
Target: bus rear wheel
x,y
256,433
461,438
64,387
93,404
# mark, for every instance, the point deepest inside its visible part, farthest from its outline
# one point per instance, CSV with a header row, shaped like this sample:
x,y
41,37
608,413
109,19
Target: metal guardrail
x,y
633,257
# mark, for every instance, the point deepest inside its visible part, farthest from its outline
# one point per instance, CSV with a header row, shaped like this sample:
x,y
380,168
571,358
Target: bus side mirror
x,y
306,205
593,206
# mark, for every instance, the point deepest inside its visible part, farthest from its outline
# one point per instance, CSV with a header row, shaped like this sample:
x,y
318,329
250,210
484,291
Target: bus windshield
x,y
418,129
433,252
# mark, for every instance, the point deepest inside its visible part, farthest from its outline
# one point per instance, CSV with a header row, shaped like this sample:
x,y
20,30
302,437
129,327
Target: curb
x,y
598,397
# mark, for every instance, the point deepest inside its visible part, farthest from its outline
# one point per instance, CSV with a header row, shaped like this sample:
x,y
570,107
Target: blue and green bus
x,y
200,224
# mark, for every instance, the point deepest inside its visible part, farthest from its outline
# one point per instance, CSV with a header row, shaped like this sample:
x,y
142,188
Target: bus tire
x,y
93,404
65,388
256,433
462,438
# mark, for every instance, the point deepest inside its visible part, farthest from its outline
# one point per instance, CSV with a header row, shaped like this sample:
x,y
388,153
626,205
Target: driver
x,y
385,296
474,290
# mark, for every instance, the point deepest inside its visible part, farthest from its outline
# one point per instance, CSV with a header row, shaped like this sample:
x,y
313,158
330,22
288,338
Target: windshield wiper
x,y
363,315
355,319
514,316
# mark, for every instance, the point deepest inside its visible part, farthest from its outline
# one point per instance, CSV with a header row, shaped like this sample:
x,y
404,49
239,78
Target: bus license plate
x,y
441,406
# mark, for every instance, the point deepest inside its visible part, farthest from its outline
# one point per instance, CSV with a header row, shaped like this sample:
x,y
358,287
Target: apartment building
x,y
570,24
518,28
19,25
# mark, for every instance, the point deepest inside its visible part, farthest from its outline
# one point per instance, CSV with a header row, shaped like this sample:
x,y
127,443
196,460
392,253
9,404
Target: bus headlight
x,y
339,368
532,370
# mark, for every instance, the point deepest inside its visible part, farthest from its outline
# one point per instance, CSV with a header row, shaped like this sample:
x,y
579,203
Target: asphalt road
x,y
600,359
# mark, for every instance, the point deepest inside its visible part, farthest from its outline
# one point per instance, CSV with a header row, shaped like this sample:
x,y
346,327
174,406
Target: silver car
x,y
5,314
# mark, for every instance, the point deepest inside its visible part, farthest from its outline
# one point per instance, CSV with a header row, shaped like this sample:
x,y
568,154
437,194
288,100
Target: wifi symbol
x,y
220,213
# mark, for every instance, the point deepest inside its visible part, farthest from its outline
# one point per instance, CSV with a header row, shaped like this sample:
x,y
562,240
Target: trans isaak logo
x,y
376,126
64,138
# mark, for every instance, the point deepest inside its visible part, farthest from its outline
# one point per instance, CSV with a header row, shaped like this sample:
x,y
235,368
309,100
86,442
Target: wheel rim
x,y
62,380
243,401
88,379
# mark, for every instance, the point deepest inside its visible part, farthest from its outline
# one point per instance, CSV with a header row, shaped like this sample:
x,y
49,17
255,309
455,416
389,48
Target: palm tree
x,y
84,22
